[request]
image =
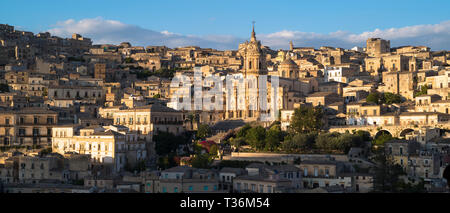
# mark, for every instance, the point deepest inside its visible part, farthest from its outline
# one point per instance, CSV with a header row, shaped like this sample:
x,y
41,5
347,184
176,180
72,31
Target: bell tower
x,y
254,61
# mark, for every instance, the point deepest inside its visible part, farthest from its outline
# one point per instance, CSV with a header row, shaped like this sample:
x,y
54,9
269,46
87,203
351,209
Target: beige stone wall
x,y
375,47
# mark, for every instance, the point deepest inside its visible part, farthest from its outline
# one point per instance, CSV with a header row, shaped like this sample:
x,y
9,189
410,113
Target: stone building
x,y
376,46
150,119
114,145
27,127
401,83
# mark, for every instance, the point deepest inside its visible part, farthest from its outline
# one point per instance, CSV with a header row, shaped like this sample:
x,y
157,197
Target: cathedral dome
x,y
288,62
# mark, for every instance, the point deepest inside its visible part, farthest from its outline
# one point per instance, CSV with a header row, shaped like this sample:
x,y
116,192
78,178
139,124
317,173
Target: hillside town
x,y
79,117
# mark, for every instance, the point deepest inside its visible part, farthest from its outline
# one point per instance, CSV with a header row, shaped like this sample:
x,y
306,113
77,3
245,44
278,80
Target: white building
x,y
114,145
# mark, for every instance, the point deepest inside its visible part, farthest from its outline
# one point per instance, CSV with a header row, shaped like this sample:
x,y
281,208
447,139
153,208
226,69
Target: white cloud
x,y
114,32
436,36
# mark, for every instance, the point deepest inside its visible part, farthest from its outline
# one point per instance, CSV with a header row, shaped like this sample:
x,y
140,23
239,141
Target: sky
x,y
223,24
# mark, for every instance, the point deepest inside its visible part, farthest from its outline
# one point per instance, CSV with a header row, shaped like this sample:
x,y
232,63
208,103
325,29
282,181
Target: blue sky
x,y
230,18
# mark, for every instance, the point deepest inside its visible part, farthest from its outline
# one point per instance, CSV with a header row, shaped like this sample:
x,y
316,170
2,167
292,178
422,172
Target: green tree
x,y
256,137
157,96
213,151
339,142
201,161
203,131
307,119
299,142
381,139
243,131
422,91
238,142
326,141
273,138
373,97
166,142
391,98
346,141
387,173
364,135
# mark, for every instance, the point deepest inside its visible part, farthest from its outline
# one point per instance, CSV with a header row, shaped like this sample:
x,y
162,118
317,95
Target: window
x,y
190,188
164,190
35,132
175,189
205,188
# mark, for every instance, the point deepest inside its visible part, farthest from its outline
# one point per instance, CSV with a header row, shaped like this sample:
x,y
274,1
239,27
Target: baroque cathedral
x,y
247,106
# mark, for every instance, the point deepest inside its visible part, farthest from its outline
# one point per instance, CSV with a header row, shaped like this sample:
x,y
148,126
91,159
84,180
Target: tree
x,y
237,142
347,141
339,142
373,97
307,119
203,131
383,138
243,131
157,96
383,98
364,135
391,98
326,141
256,137
387,173
213,151
166,142
423,91
201,161
299,142
273,138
